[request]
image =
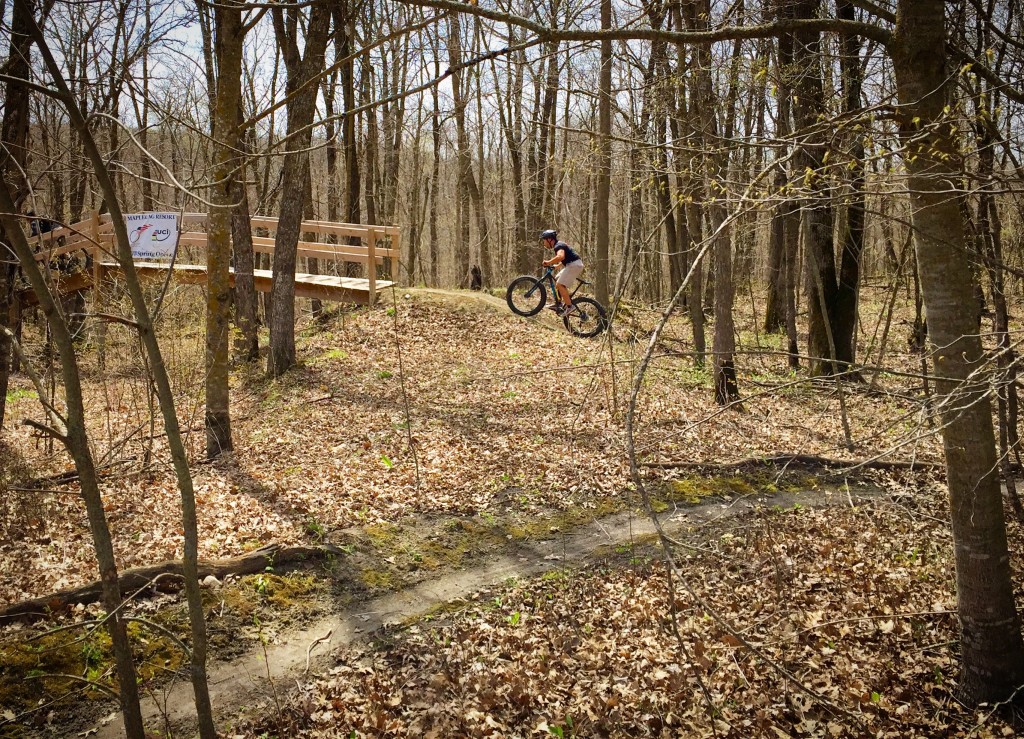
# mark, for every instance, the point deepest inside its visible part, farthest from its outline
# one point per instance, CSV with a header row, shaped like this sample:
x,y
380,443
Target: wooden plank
x,y
350,229
323,287
317,246
79,244
328,228
60,285
337,252
74,240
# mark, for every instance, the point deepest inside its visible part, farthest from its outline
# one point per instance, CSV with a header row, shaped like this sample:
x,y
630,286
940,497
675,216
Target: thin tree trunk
x,y
462,153
247,347
312,263
76,441
510,115
775,310
145,169
371,148
435,177
343,32
165,394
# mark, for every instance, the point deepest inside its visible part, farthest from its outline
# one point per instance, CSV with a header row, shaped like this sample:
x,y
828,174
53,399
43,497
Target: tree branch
x,y
724,33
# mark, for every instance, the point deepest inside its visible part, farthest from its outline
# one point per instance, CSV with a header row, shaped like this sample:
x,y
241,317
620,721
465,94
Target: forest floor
x,y
438,431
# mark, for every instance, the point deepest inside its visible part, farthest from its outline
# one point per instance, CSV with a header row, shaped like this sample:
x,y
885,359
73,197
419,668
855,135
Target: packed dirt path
x,y
257,680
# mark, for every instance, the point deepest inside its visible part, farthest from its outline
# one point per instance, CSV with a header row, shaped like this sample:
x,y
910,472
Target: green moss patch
x,y
696,489
44,667
73,664
21,394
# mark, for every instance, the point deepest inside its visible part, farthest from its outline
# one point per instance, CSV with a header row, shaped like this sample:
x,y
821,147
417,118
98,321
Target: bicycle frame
x,y
549,279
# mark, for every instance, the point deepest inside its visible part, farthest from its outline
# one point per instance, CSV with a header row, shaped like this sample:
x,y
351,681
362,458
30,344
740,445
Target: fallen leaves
x,y
595,649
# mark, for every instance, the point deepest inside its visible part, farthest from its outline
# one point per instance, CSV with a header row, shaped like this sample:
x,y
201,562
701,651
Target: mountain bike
x,y
527,295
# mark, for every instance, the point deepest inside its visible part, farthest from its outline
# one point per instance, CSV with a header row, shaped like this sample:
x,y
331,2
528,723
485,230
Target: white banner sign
x,y
152,235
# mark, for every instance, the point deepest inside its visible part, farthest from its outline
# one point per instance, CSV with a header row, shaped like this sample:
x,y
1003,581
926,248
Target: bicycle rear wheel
x,y
588,320
526,296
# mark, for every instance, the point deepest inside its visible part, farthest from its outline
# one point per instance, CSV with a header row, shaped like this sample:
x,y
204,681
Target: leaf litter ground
x,y
504,418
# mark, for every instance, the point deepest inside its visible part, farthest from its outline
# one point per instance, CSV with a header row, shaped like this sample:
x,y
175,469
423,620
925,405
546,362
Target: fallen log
x,y
799,460
258,560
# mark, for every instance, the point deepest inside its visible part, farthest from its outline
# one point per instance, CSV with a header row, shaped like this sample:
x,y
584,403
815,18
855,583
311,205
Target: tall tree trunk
x,y
462,153
992,652
690,214
301,107
343,32
145,169
775,309
817,210
394,129
715,166
640,177
477,187
228,44
371,147
603,160
694,302
331,152
790,217
844,320
663,185
13,156
508,115
546,100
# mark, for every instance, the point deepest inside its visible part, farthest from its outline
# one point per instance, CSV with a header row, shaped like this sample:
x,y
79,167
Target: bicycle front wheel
x,y
526,296
588,320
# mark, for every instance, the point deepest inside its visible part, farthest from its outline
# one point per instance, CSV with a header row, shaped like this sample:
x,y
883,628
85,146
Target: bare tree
x,y
603,159
144,326
228,42
13,157
991,646
302,61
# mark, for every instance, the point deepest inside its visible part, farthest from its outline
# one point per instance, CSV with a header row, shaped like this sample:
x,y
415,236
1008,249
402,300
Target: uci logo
x,y
156,234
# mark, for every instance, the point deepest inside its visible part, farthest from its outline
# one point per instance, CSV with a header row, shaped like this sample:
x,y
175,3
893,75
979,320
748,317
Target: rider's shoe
x,y
566,310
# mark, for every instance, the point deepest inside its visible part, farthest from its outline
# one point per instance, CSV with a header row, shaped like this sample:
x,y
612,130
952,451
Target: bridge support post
x,y
371,265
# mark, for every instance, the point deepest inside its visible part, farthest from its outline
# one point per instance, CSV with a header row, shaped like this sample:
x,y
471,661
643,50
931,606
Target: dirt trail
x,y
476,298
244,683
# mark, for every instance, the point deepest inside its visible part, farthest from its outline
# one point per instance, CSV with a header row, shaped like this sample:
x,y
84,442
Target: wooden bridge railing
x,y
95,235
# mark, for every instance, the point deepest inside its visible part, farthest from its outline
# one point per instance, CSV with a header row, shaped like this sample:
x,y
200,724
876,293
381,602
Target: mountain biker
x,y
572,267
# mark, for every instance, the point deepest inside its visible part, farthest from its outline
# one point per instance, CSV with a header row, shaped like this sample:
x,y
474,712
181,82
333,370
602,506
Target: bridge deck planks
x,y
324,287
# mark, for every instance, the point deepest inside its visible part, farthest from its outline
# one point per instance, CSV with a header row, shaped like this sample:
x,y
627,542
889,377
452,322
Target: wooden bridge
x,y
378,246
